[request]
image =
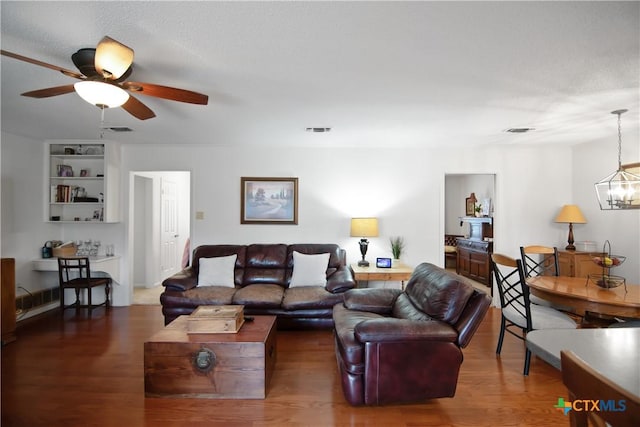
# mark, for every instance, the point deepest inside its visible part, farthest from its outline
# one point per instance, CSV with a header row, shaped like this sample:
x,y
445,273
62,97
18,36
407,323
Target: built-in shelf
x,y
78,170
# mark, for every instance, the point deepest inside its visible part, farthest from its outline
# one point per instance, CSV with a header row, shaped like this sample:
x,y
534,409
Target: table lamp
x,y
571,214
364,227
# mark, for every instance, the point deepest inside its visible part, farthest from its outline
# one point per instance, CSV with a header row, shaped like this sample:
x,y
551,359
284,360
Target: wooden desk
x,y
575,292
399,273
109,265
610,351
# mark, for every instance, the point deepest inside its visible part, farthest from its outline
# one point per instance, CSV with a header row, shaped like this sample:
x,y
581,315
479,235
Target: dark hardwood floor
x,y
75,371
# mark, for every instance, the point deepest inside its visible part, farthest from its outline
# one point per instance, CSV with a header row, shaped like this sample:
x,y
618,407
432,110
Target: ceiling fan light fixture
x,y
101,94
112,59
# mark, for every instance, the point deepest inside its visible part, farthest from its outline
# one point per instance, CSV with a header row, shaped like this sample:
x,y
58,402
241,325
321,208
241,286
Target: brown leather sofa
x,y
396,346
261,283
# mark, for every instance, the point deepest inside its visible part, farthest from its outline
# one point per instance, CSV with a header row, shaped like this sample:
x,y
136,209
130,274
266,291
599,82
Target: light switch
x,y
199,215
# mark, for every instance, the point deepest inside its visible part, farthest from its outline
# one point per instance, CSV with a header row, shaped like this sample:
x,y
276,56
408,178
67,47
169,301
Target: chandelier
x,y
621,189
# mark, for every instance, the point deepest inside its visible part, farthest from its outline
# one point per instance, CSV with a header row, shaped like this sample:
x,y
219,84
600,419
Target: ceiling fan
x,y
103,74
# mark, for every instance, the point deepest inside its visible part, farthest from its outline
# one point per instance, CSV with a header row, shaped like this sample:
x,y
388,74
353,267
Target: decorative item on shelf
x,y
570,214
363,228
607,261
621,189
478,210
67,249
470,203
486,206
397,247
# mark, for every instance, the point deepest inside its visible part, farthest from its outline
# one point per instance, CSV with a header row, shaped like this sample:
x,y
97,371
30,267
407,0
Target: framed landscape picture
x,y
269,200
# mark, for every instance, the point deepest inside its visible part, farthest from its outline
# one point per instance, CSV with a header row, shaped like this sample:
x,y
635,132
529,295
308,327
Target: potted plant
x,y
478,209
397,246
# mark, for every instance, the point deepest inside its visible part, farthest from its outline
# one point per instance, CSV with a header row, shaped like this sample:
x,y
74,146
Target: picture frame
x,y
470,205
269,200
84,172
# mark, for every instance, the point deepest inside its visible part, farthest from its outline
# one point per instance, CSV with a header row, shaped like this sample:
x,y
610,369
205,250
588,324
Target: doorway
x,y
159,216
475,262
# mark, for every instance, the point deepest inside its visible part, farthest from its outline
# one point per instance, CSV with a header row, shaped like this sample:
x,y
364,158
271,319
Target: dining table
x,y
611,351
583,295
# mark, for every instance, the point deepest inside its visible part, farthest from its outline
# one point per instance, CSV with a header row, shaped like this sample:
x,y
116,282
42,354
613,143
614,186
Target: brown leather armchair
x,y
396,346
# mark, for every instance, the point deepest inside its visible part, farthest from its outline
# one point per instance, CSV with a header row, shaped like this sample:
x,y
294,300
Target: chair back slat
x,y
73,268
540,260
512,289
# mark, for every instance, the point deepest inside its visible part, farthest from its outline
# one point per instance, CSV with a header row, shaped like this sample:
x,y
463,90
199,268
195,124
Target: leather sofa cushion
x,y
266,256
259,296
204,295
403,308
440,294
264,276
309,297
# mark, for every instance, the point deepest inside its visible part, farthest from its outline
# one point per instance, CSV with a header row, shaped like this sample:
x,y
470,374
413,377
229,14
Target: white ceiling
x,y
379,73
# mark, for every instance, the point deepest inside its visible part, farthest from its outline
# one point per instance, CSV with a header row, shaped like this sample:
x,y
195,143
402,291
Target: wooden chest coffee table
x,y
215,366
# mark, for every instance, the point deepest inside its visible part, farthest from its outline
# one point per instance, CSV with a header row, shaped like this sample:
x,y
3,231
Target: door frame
x,y
151,268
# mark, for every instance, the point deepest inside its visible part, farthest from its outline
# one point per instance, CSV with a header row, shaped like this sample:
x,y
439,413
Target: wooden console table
x,y
474,253
398,273
577,264
474,260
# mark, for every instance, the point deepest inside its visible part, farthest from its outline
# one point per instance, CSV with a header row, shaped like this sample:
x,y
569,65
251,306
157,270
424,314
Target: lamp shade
x,y
571,214
101,94
364,227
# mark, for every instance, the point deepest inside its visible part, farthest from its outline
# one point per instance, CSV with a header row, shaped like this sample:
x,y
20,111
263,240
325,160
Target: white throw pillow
x,y
217,271
309,270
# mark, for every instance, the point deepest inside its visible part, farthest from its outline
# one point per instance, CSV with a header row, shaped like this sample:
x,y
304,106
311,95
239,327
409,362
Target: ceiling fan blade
x,y
42,64
50,91
113,58
166,92
137,109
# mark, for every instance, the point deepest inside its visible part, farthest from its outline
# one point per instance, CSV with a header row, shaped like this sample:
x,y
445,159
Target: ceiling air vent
x,y
118,129
318,130
519,130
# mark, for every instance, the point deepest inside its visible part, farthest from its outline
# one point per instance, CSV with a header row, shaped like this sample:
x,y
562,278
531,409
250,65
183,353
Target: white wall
x,y
404,188
593,161
23,230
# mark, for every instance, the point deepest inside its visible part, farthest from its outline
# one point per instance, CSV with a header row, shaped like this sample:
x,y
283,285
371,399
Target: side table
x,y
397,273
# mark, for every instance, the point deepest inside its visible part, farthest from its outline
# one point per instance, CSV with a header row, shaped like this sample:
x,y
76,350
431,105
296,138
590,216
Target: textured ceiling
x,y
378,73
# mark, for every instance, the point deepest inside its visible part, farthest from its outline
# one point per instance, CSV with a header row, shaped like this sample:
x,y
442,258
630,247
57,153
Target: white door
x,y
169,228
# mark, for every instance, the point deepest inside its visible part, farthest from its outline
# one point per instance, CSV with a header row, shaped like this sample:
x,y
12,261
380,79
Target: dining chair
x,y
585,383
75,273
541,261
518,315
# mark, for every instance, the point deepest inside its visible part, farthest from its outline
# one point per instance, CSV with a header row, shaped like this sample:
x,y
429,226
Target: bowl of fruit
x,y
609,261
608,282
